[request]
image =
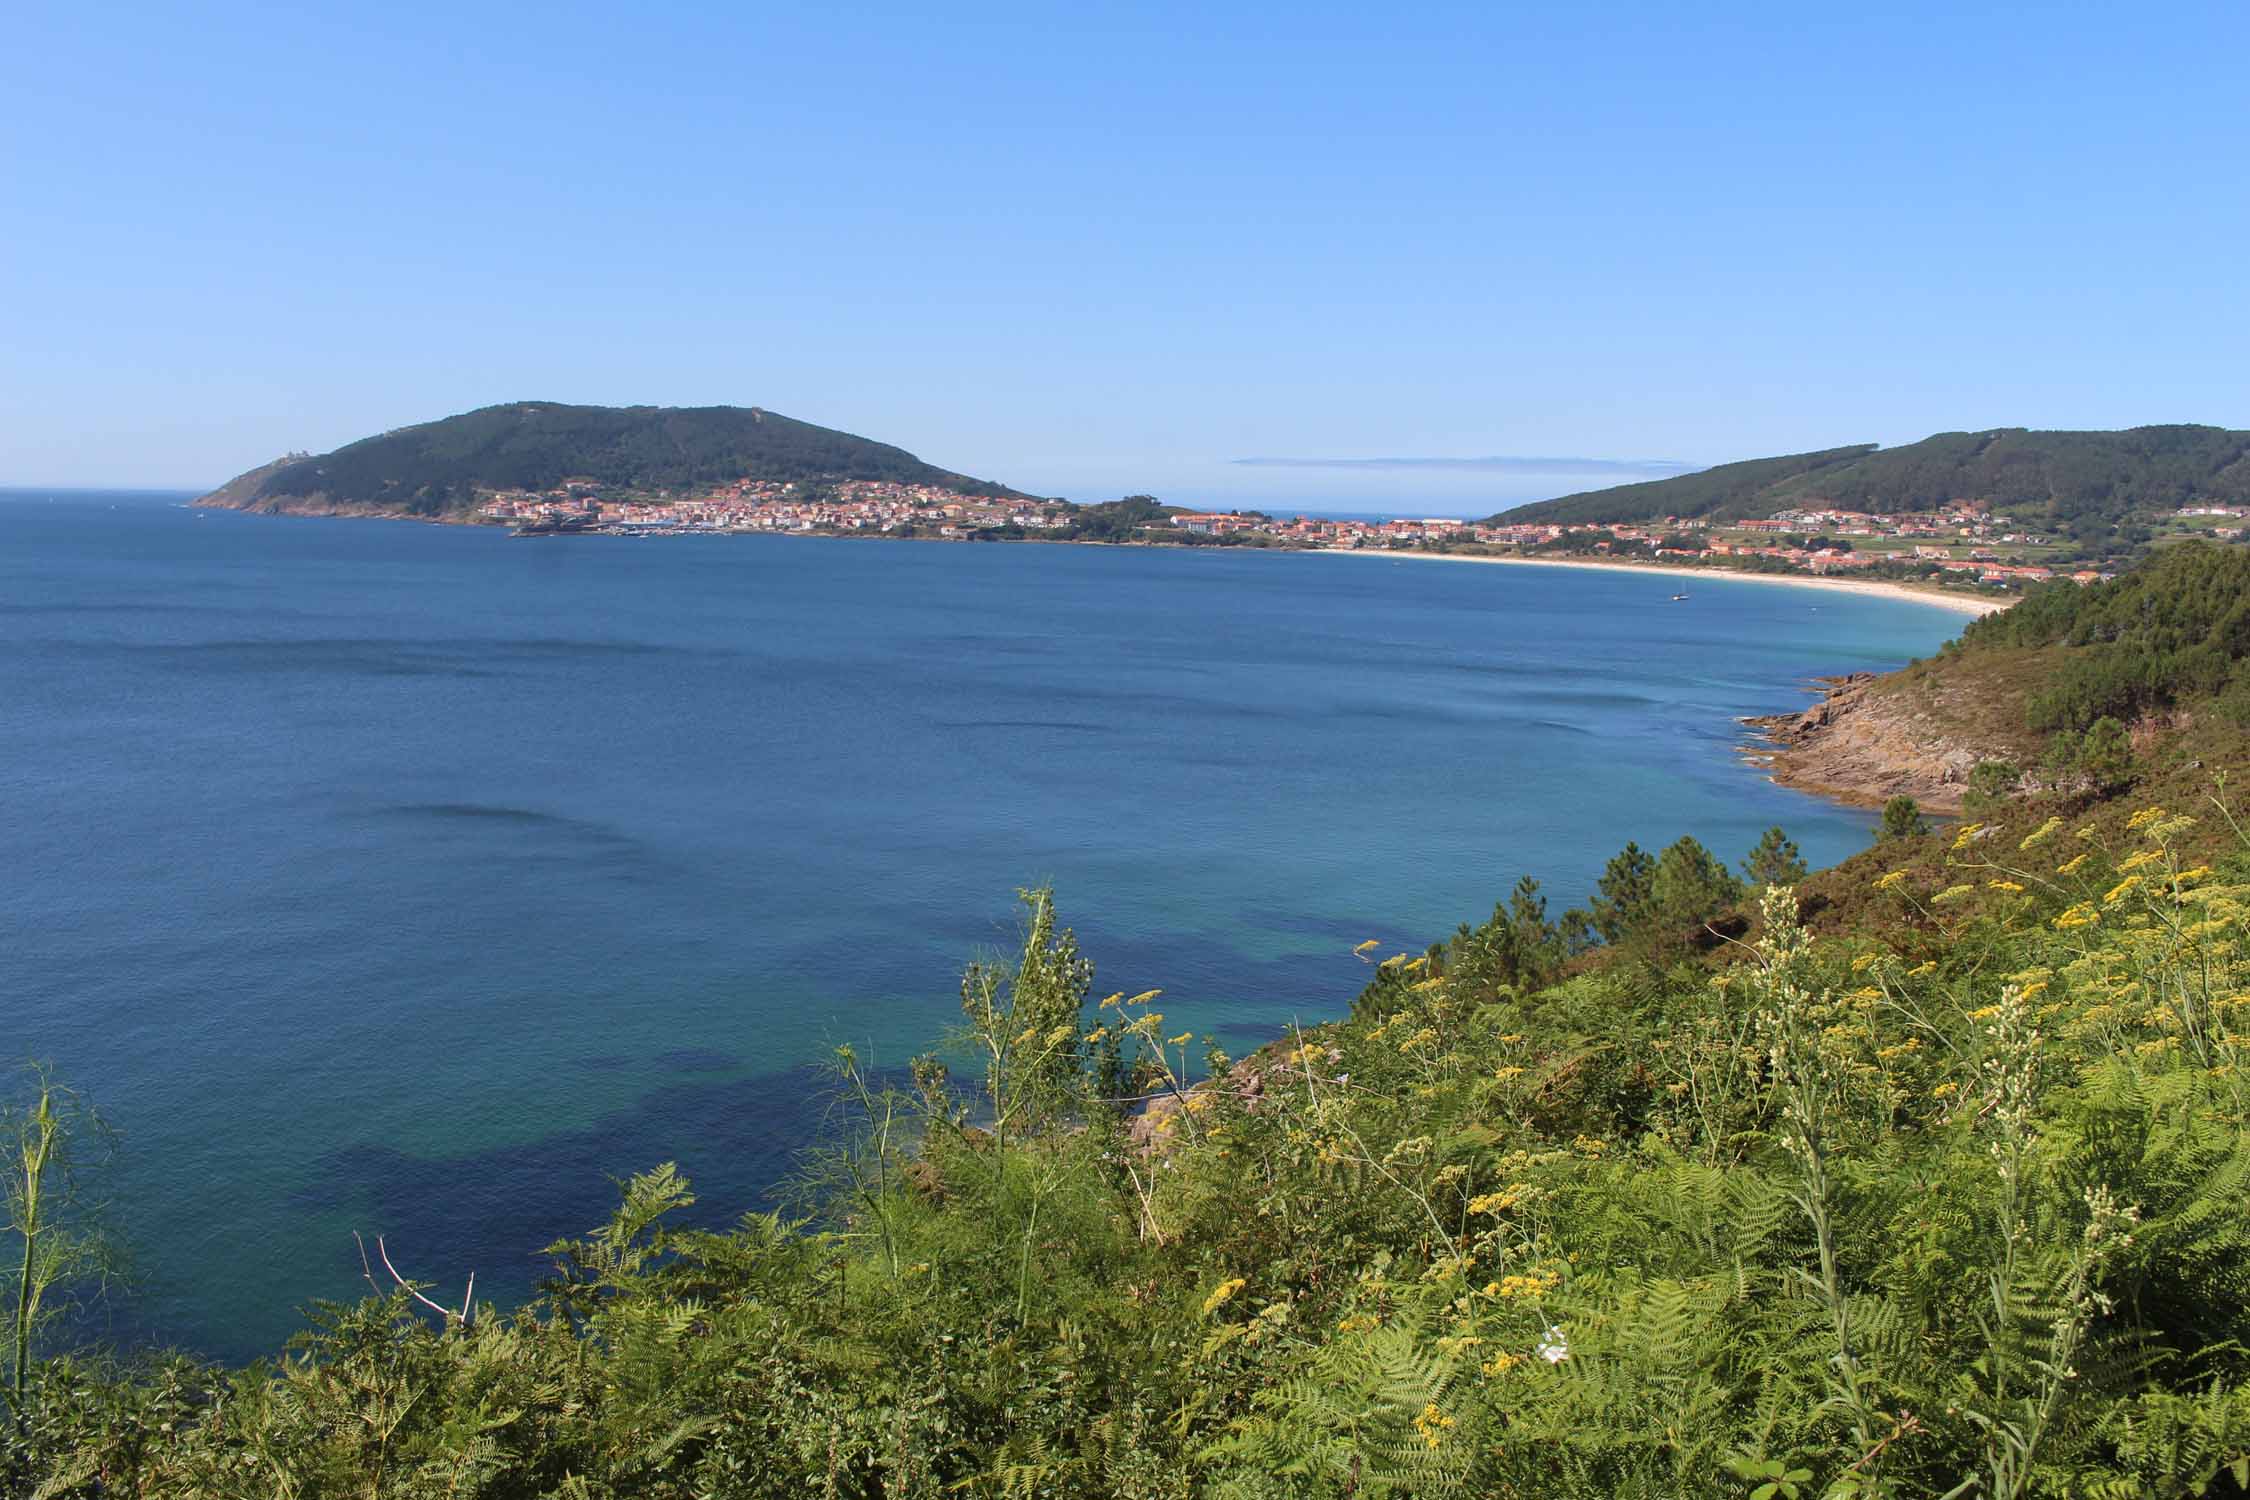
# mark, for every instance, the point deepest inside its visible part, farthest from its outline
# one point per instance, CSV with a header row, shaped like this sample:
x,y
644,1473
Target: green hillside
x,y
2078,484
439,468
1728,490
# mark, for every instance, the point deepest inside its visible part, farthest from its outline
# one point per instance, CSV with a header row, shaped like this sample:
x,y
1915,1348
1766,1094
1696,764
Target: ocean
x,y
420,881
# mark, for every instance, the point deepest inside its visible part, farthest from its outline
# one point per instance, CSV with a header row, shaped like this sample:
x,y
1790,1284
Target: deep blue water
x,y
420,880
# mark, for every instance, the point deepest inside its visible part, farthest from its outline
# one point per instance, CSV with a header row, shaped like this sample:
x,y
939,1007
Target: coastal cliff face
x,y
322,504
1866,745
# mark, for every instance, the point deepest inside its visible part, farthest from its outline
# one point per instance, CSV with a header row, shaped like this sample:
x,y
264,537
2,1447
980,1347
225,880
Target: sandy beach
x,y
1876,588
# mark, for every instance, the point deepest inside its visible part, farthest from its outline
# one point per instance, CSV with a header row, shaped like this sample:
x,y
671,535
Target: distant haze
x,y
1622,468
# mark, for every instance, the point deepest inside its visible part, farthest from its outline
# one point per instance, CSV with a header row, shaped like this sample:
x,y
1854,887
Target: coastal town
x,y
1961,542
839,507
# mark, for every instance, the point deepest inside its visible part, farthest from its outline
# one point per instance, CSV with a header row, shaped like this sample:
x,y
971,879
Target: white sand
x,y
1874,588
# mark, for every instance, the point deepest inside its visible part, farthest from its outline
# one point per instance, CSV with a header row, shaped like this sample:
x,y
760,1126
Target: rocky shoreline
x,y
1863,747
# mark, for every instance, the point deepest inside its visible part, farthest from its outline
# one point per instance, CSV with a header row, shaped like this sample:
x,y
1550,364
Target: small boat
x,y
1679,596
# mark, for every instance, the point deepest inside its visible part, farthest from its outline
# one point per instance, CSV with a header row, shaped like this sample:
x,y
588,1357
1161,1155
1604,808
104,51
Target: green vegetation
x,y
2072,687
2077,484
1925,1177
1731,490
1991,784
51,1223
440,468
1121,520
1902,819
1775,861
2170,633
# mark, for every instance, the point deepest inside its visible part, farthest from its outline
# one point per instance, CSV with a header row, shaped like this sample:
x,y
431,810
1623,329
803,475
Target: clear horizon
x,y
1125,250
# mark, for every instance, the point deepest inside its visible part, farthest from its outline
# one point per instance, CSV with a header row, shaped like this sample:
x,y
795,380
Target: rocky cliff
x,y
1865,745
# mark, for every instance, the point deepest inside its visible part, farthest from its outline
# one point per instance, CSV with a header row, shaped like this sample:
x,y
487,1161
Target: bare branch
x,y
442,1312
365,1269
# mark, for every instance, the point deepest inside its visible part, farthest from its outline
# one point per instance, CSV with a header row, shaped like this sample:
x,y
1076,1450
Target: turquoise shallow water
x,y
421,881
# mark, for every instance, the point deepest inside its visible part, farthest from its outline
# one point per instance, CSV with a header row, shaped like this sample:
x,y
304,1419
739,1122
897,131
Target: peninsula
x,y
1984,513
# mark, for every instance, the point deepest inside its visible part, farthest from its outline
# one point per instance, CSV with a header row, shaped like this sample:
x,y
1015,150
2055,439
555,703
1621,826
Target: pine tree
x,y
1775,861
2106,755
1902,819
1622,898
1690,887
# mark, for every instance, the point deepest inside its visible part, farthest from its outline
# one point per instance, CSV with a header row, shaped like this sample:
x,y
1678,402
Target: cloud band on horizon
x,y
1497,464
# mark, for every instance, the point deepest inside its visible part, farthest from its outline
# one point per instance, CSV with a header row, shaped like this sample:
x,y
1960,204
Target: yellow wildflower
x,y
1221,1293
2133,862
1432,1425
2081,915
2143,818
2040,834
1892,881
1968,832
1504,1074
1179,1041
2120,890
1502,1363
1516,1288
2005,885
2070,866
1952,893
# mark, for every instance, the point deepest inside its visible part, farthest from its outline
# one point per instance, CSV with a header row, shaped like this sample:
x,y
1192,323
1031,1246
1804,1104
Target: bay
x,y
422,881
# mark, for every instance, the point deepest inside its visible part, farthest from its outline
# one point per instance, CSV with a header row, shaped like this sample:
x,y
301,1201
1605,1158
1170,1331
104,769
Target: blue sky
x,y
1088,249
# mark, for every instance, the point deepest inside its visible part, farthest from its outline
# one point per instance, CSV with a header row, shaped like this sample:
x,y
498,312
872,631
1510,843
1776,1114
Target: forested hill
x,y
439,468
2076,483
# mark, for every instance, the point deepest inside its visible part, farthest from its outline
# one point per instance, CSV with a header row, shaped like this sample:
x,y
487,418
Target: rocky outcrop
x,y
1866,746
1156,1126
